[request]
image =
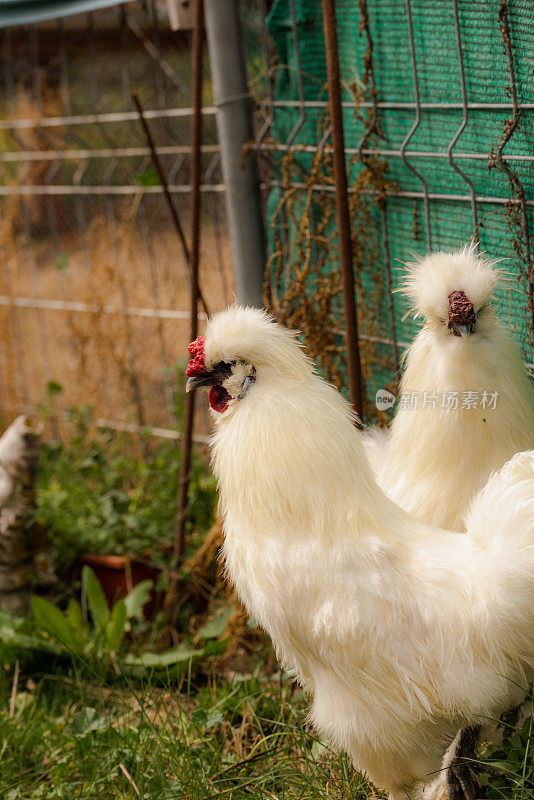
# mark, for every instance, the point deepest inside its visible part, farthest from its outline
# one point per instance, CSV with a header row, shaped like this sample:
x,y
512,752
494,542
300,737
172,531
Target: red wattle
x,y
219,398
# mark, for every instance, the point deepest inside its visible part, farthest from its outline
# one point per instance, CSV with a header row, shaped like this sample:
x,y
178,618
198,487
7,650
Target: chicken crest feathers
x,y
253,335
429,281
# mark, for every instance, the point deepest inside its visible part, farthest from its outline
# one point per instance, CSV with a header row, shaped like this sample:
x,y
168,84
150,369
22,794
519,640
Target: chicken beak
x,y
198,380
464,329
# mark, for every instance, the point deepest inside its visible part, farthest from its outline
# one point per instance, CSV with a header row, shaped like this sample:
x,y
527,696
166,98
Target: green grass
x,y
69,737
77,735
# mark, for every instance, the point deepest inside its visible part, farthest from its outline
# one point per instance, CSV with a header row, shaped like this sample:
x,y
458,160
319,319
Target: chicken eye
x,y
223,369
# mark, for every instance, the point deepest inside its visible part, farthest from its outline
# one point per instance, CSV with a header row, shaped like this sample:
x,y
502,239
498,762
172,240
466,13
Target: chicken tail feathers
x,y
506,504
501,523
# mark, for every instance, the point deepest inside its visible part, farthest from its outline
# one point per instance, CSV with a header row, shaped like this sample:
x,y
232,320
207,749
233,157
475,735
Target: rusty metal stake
x,y
354,368
171,596
196,139
166,191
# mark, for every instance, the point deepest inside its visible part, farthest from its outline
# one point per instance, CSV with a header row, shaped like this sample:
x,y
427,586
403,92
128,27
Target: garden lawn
x,y
67,737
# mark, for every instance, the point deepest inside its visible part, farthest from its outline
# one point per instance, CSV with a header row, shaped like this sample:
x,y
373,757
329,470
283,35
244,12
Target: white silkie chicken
x,y
466,401
402,633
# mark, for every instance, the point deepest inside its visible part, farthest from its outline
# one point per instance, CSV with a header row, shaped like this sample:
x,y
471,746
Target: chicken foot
x,y
461,776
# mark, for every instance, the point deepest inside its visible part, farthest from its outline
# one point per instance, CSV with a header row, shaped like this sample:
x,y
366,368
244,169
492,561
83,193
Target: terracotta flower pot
x,y
119,574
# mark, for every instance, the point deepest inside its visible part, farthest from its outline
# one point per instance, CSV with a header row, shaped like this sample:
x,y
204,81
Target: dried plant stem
x,y
129,779
14,687
163,178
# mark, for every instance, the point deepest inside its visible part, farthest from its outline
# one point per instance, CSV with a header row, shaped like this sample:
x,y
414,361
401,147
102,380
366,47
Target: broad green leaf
x,y
178,657
206,718
74,619
21,641
199,717
96,601
216,648
74,615
164,659
116,626
51,620
137,598
217,624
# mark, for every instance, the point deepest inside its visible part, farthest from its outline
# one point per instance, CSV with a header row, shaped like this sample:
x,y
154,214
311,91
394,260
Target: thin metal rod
x,y
120,152
94,308
416,123
463,123
163,178
298,65
195,166
354,370
103,189
330,187
113,424
155,54
268,58
398,105
377,151
91,119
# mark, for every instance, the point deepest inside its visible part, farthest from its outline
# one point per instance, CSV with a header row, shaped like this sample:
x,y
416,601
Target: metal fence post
x,y
354,368
234,125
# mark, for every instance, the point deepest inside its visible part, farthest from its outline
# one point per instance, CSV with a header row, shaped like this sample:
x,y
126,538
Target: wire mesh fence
x,y
438,108
438,115
94,287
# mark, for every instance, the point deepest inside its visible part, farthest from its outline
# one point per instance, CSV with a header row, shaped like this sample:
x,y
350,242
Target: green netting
x,y
304,264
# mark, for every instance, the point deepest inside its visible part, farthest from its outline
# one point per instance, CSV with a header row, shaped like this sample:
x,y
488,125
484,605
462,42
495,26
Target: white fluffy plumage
x,y
439,458
402,633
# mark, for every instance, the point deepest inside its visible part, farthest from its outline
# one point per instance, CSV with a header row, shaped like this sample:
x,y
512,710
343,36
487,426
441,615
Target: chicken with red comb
x,y
402,633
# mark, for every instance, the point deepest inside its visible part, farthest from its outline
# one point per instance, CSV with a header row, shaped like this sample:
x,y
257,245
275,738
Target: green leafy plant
x,y
91,628
94,633
97,493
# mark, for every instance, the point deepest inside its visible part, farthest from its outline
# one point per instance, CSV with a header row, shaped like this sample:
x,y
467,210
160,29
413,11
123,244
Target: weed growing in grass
x,y
93,635
96,493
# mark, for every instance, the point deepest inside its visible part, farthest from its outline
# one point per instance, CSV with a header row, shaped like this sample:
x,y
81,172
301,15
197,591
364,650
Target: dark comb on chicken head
x,y
462,315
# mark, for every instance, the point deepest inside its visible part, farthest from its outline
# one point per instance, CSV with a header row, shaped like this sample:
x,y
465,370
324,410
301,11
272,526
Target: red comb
x,y
196,365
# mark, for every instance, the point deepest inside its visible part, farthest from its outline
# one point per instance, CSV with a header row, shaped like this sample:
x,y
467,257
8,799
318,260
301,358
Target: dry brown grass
x,y
117,363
